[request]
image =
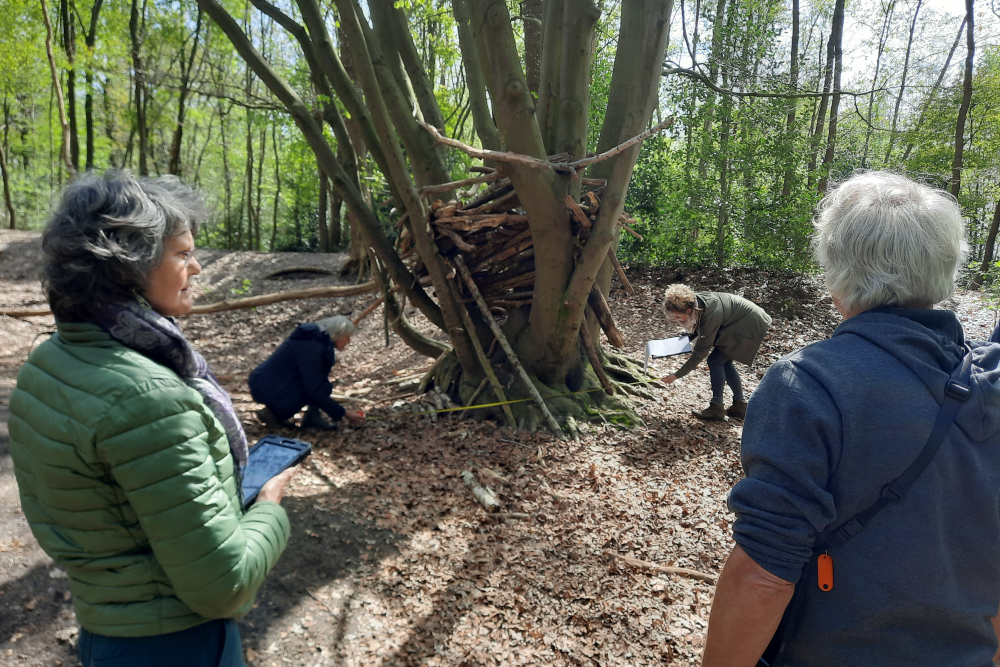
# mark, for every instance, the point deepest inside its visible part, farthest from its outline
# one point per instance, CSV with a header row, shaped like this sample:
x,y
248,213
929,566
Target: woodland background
x,y
156,87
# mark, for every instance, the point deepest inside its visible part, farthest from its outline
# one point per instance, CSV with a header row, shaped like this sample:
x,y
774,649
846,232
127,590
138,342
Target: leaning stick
x,y
629,229
484,361
454,185
578,213
489,474
599,305
613,256
368,311
484,497
595,361
515,362
36,312
665,569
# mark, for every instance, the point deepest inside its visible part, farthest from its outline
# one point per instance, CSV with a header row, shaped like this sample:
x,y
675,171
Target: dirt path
x,y
390,562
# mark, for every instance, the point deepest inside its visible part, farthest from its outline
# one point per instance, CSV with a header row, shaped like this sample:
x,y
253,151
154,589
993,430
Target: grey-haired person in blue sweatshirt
x,y
833,423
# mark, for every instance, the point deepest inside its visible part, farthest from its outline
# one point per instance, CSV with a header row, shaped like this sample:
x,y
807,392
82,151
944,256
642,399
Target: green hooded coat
x,y
731,323
127,481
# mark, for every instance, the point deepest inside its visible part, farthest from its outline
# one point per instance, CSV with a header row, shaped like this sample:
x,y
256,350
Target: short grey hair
x,y
106,237
337,326
886,240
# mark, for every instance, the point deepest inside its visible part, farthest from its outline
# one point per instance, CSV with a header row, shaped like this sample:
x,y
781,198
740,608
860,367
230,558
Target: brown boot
x,y
714,412
738,410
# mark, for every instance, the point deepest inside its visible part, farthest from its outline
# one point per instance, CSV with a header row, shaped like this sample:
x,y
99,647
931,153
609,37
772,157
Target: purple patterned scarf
x,y
136,325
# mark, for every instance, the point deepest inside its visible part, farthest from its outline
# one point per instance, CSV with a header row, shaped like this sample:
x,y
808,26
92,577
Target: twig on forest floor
x,y
484,497
325,605
492,475
664,569
498,516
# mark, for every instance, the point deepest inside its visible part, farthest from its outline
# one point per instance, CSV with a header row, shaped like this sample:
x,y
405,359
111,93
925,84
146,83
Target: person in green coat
x,y
725,327
127,452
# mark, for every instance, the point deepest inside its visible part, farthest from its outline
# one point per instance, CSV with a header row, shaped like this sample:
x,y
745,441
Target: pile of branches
x,y
492,232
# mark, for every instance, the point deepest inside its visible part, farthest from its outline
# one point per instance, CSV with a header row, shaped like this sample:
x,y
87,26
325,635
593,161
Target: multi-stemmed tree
x,y
529,107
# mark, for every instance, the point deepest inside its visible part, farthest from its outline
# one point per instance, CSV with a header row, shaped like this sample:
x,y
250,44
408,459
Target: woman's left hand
x,y
670,378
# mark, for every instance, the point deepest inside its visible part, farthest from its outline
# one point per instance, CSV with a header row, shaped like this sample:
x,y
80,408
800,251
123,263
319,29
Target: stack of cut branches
x,y
491,231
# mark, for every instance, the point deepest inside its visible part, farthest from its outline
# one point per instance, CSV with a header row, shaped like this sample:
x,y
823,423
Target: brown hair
x,y
679,299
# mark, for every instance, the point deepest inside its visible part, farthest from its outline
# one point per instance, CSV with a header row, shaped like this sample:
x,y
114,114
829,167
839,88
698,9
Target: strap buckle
x,y
844,533
893,492
957,390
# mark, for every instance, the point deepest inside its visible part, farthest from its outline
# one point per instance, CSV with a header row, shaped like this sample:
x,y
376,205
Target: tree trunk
x,y
11,217
88,105
57,87
324,235
277,186
475,79
136,24
793,83
963,111
336,204
532,12
988,248
902,84
174,160
68,20
837,52
934,89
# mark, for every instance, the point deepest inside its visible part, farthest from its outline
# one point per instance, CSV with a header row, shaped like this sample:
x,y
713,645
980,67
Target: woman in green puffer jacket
x,y
127,452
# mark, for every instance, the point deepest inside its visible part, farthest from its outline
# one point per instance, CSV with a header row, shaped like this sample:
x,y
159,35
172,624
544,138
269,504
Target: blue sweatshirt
x,y
827,428
297,374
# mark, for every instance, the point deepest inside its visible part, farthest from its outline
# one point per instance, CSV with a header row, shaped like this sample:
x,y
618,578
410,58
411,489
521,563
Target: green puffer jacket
x,y
126,479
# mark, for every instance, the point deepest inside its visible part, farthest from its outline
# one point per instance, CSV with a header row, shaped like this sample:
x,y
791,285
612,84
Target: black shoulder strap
x,y
955,393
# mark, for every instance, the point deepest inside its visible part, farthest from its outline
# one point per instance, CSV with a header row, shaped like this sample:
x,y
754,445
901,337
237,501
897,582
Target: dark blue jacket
x,y
297,374
995,338
826,429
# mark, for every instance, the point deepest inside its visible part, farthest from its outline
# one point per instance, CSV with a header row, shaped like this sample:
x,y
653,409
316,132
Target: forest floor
x,y
390,561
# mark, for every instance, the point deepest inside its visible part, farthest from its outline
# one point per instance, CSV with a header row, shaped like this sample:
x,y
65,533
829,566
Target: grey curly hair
x,y
106,237
337,326
679,298
885,240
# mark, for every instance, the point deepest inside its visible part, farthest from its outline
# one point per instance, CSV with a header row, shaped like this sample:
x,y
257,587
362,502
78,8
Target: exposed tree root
x,y
588,404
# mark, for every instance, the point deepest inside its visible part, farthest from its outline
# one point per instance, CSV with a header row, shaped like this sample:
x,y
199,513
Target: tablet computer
x,y
271,455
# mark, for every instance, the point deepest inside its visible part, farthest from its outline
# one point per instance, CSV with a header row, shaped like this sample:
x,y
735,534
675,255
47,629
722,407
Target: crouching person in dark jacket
x,y
832,425
296,375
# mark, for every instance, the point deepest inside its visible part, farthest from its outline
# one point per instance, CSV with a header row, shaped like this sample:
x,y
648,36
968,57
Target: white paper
x,y
667,347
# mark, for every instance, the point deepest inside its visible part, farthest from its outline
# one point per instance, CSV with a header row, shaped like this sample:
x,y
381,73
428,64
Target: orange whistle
x,y
824,572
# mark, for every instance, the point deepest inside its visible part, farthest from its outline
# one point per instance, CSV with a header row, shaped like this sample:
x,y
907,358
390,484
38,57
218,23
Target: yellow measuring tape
x,y
516,400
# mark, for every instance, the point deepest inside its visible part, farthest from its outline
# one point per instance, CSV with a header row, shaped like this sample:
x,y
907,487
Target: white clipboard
x,y
668,347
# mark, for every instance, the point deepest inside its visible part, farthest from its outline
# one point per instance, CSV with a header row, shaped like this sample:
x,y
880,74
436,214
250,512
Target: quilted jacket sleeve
x,y
172,463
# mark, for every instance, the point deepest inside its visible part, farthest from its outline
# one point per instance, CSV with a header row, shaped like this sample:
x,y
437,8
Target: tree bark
x,y
475,79
579,20
68,21
336,203
550,67
174,159
11,217
88,105
963,110
135,25
324,234
836,41
820,125
532,12
277,186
